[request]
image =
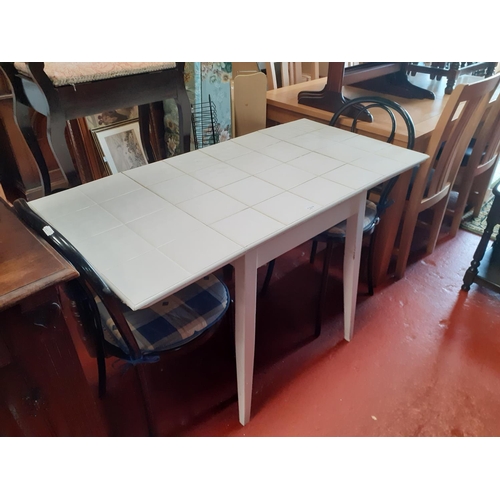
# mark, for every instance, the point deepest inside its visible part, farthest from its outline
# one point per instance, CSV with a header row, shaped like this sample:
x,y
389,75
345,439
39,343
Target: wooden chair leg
x,y
144,119
437,221
463,196
184,109
410,221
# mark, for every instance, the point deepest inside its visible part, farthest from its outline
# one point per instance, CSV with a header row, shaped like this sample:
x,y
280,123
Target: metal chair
x,y
374,209
186,318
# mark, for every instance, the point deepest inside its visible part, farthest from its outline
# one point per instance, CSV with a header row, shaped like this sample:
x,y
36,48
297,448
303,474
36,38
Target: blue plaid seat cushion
x,y
174,321
370,214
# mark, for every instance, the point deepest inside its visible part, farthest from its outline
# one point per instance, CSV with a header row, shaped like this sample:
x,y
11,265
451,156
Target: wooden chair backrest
x,y
450,139
248,103
485,150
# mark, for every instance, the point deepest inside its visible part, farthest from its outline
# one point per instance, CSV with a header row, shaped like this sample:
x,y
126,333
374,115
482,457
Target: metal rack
x,y
205,124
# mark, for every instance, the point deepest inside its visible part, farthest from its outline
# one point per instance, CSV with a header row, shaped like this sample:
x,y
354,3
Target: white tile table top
x,y
153,230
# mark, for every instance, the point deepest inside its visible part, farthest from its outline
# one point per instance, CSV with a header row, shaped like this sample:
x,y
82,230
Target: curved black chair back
x,y
363,104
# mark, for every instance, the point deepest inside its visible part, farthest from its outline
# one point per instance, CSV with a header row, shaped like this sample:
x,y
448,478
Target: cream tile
x,y
322,191
153,173
112,247
192,161
109,187
367,144
253,163
255,140
251,190
64,202
313,140
247,227
219,175
403,155
227,150
145,278
284,151
353,177
180,189
85,223
285,176
287,208
335,134
292,129
377,164
340,151
211,207
316,164
201,250
164,226
134,205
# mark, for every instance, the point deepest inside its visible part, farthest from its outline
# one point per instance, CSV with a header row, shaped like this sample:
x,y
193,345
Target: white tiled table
x,y
153,230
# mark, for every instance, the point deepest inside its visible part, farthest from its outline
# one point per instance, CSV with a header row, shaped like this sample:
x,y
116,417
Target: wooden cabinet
x,y
43,389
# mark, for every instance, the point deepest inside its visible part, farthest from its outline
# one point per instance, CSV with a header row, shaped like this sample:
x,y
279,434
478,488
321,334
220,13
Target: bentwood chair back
x,y
474,176
66,91
374,210
432,184
184,320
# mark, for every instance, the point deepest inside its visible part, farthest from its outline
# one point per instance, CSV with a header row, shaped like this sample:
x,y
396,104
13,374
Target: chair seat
x,y
70,73
173,322
338,231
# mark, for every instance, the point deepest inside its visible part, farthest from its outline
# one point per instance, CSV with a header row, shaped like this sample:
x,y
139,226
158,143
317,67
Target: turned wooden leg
x,y
144,124
184,109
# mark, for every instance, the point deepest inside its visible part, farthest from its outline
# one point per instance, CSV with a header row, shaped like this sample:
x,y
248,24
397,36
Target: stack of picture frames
x,y
117,138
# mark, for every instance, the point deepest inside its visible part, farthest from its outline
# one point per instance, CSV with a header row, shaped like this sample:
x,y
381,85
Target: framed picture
x,y
120,146
108,118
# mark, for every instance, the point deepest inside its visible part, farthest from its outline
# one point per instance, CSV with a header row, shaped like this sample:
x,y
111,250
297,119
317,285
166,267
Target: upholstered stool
x,y
65,91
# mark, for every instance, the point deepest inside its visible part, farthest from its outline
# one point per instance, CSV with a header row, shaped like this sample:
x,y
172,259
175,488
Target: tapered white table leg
x,y
352,254
245,306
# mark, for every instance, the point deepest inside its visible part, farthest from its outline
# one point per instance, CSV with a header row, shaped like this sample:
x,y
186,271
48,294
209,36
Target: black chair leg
x,y
323,288
269,273
314,248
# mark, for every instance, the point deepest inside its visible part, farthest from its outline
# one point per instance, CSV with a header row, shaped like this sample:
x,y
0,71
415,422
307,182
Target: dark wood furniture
x,y
452,70
60,104
485,266
388,78
43,390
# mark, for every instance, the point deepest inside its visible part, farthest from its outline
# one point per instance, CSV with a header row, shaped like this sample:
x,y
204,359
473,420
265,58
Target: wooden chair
x,y
432,184
374,209
474,175
248,103
138,337
65,91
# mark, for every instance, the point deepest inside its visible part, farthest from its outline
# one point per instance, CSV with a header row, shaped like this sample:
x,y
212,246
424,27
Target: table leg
x,y
245,307
352,253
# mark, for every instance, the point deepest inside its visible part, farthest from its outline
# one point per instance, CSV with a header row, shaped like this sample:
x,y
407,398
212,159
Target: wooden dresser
x,y
43,389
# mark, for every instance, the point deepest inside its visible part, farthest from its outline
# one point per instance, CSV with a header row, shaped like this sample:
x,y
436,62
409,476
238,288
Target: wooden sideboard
x,y
43,389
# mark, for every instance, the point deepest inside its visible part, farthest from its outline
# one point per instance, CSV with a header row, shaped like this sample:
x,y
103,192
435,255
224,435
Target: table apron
x,y
295,236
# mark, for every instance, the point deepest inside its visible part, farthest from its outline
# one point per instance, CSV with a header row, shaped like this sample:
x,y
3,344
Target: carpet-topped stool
x,y
66,91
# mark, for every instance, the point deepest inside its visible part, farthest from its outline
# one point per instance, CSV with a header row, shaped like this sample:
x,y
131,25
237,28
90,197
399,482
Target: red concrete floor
x,y
424,361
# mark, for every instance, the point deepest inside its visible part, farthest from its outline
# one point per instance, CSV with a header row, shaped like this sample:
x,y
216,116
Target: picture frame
x,y
108,118
120,146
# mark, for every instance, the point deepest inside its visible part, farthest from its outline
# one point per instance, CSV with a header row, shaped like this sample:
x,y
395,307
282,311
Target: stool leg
x,y
184,109
56,126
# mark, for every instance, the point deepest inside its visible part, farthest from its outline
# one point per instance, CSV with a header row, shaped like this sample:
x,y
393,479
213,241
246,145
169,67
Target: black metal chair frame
x,y
362,105
68,102
82,292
